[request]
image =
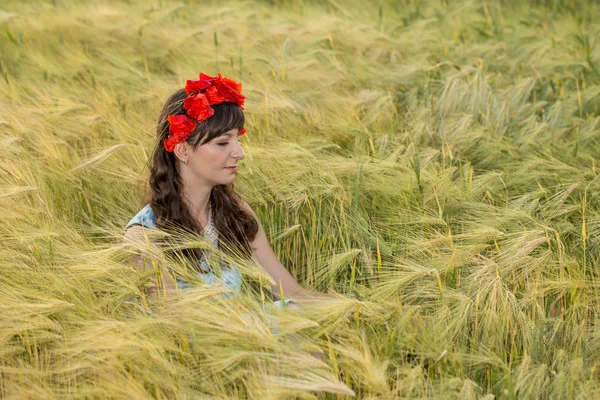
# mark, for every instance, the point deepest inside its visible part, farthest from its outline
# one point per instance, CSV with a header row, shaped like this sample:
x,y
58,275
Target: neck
x,y
197,197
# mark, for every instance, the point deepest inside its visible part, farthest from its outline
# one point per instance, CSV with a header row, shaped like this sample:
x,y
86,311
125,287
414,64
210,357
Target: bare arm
x,y
268,260
136,236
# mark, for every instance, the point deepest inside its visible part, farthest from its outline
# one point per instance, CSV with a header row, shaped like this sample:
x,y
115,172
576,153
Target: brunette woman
x,y
191,185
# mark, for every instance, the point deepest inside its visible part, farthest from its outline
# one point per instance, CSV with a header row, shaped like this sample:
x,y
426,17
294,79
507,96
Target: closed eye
x,y
223,143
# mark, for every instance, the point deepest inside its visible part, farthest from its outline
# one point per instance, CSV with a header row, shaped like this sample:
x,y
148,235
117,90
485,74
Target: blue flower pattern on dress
x,y
230,277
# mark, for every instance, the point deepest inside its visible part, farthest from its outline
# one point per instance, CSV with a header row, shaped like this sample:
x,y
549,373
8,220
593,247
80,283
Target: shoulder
x,y
142,227
246,207
144,218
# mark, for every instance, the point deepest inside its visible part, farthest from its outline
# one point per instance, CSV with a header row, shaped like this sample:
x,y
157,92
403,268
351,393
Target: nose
x,y
238,152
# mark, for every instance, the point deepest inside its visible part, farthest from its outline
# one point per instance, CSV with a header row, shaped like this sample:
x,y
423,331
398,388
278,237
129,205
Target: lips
x,y
233,169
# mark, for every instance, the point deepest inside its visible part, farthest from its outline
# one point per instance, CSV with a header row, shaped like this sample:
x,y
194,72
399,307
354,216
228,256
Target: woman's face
x,y
216,162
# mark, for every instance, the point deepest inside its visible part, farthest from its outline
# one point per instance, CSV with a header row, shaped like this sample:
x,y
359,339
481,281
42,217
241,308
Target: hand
x,y
301,293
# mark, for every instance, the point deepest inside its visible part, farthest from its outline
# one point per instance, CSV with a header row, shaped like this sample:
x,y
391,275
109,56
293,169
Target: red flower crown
x,y
202,94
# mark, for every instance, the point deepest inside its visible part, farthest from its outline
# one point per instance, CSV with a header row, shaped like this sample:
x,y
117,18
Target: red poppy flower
x,y
196,86
169,144
204,77
180,127
213,96
230,90
197,106
180,124
242,131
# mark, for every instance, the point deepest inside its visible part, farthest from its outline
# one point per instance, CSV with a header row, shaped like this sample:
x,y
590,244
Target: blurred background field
x,y
435,163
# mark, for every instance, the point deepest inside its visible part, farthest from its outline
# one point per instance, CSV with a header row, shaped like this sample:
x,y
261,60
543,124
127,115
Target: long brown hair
x,y
236,227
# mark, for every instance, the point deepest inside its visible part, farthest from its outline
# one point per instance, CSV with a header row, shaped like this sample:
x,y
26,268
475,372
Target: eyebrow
x,y
226,134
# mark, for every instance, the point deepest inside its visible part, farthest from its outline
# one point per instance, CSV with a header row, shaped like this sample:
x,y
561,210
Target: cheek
x,y
212,156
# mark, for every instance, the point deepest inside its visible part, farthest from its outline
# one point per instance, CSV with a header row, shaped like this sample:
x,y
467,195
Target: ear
x,y
181,151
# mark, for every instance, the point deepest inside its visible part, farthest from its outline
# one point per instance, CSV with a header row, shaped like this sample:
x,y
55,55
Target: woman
x,y
191,183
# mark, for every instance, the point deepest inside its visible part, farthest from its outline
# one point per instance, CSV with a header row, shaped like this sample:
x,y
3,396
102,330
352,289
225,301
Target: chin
x,y
227,181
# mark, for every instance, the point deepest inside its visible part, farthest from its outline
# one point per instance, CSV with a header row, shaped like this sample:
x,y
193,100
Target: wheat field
x,y
432,163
